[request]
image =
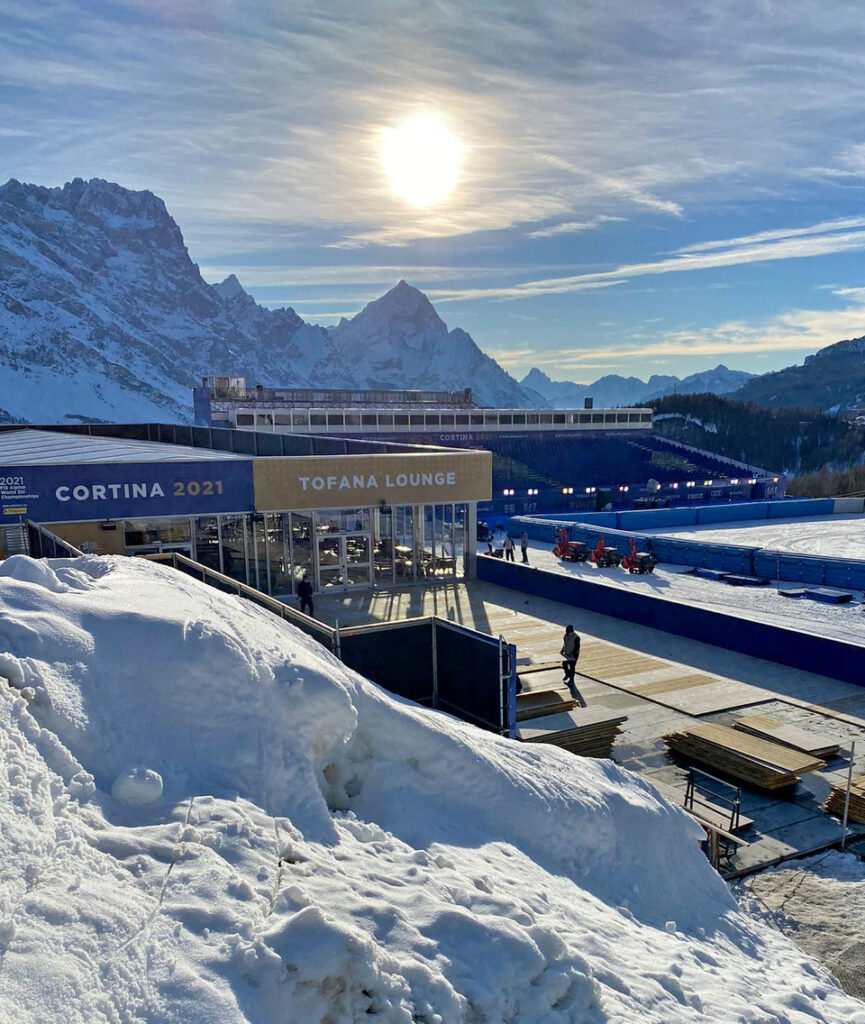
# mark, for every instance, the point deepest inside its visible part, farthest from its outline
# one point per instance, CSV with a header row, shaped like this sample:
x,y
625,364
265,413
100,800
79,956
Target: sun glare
x,y
422,160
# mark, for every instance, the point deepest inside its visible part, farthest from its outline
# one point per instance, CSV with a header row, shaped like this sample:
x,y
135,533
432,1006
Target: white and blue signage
x,y
126,490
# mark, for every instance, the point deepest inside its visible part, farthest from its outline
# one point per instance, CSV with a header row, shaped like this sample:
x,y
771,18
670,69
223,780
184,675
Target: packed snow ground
x,y
206,818
842,621
819,902
837,536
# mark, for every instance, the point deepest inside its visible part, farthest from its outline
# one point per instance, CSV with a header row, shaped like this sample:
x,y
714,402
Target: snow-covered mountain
x,y
103,315
614,390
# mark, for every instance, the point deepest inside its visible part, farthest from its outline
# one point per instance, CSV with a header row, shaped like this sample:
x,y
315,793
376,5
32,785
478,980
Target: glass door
x,y
344,560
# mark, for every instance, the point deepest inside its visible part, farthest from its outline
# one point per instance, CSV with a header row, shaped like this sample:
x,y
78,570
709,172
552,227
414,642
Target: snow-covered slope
x,y
205,817
613,390
103,315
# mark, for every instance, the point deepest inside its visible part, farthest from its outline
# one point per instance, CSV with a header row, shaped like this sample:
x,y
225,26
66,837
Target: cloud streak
x,y
797,243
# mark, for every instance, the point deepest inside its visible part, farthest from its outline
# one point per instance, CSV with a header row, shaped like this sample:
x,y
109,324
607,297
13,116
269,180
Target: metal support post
x,y
337,644
847,794
435,664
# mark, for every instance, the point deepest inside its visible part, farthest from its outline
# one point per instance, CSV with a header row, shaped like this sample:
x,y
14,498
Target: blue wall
x,y
824,655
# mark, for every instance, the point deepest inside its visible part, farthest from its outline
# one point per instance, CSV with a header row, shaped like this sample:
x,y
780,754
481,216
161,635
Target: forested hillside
x,y
791,440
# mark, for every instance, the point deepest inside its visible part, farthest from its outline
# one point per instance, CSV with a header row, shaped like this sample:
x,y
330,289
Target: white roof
x,y
48,447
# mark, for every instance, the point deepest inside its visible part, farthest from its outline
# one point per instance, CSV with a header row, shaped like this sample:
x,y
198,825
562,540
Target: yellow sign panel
x,y
14,510
349,481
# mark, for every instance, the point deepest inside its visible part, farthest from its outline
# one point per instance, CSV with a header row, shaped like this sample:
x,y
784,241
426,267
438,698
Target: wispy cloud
x,y
797,243
791,332
573,227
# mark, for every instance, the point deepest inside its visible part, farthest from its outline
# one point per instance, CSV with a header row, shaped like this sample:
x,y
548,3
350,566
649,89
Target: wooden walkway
x,y
630,669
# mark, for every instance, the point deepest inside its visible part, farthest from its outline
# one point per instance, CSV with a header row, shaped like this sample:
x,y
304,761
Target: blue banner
x,y
125,490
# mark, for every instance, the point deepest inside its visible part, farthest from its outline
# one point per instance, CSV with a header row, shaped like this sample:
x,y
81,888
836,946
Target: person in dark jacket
x,y
509,547
524,547
570,653
304,593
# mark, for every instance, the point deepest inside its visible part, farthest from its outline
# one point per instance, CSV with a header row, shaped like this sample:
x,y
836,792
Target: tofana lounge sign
x,y
359,482
339,481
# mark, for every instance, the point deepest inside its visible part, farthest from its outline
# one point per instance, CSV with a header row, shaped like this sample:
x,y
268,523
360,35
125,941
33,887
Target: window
x,y
352,419
300,419
399,420
645,417
431,420
386,419
245,419
519,418
558,417
546,417
491,419
609,417
584,417
505,419
335,419
477,419
416,421
531,417
283,419
368,419
317,419
461,421
447,421
597,417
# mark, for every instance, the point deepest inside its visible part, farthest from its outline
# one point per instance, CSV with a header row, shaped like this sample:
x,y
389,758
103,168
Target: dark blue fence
x,y
824,655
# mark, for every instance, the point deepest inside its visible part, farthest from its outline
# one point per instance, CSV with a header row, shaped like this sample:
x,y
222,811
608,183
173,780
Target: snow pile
x,y
205,817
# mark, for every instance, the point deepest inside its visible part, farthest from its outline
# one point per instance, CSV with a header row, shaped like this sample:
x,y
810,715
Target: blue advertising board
x,y
125,490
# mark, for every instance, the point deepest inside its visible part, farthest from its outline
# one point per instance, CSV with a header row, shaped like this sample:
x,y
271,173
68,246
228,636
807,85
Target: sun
x,y
422,160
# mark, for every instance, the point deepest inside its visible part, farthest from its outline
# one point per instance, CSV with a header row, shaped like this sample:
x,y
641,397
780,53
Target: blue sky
x,y
648,186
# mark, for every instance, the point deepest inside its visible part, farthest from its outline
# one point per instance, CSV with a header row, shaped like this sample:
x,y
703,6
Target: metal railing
x,y
701,786
45,544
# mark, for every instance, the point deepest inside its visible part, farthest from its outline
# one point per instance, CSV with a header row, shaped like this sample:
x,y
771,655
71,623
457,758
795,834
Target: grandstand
x,y
543,459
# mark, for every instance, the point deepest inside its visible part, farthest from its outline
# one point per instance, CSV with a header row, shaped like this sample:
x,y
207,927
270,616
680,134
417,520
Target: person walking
x,y
524,547
509,548
304,593
570,653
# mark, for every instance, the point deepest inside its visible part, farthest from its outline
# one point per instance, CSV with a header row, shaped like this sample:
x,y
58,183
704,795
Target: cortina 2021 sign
x,y
55,494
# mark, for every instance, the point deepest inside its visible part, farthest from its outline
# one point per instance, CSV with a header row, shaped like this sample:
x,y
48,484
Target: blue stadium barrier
x,y
739,512
809,651
656,518
790,508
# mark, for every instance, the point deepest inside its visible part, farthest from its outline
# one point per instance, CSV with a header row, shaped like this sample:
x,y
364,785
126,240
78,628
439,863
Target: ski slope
x,y
842,621
206,818
837,536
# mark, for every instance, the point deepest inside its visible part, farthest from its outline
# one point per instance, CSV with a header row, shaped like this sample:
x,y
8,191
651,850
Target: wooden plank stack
x,y
837,794
753,760
589,732
539,703
774,729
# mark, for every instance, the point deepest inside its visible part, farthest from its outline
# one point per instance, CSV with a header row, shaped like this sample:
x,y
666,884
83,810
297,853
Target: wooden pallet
x,y
837,795
589,732
775,729
539,703
751,759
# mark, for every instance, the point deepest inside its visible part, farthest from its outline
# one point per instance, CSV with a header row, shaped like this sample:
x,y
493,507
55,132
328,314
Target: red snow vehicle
x,y
639,561
569,550
605,557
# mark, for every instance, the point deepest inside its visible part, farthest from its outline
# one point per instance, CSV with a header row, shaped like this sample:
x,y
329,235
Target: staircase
x,y
14,540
